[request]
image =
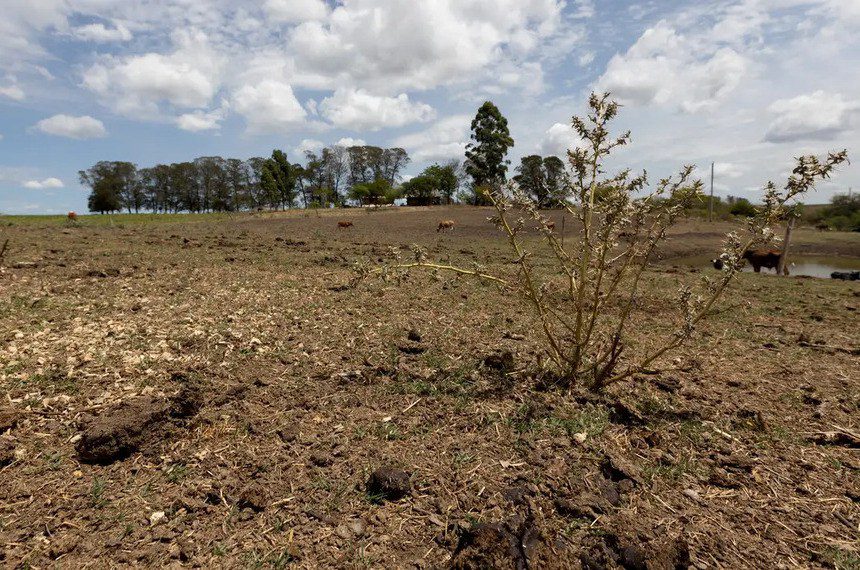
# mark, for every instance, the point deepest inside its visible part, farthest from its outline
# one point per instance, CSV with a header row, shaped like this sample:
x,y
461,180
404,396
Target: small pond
x,y
808,265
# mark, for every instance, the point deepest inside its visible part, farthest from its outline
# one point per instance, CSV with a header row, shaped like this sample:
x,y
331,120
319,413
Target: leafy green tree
x,y
542,179
555,174
843,213
437,181
377,192
184,187
113,185
743,207
421,186
446,177
269,186
392,163
485,156
284,176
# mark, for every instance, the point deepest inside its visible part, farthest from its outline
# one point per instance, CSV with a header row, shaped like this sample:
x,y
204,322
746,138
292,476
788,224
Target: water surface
x,y
809,265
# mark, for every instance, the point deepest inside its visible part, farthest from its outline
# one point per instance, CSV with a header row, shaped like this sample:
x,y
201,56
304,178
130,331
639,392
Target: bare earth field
x,y
208,393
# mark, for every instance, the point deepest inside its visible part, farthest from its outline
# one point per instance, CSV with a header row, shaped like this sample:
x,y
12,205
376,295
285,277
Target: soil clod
x,y
254,496
500,361
118,433
8,420
514,544
389,484
7,453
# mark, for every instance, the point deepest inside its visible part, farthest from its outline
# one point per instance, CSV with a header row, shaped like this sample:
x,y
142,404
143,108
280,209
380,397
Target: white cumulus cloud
x,y
558,139
443,140
134,85
200,120
309,145
84,127
669,68
349,141
393,45
294,11
359,110
269,107
42,184
816,116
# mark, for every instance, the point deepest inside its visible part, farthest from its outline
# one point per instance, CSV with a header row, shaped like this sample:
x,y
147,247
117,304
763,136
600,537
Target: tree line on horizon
x,y
335,176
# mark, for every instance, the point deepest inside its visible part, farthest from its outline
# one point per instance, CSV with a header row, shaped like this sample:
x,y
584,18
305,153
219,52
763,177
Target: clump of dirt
x,y
501,361
117,434
634,550
7,452
253,496
187,402
8,420
515,544
103,273
121,432
389,484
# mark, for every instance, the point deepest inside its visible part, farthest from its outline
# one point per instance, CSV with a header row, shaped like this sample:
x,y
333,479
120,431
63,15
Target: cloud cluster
x,y
359,110
186,78
269,106
43,184
68,126
443,140
365,55
816,116
295,11
667,67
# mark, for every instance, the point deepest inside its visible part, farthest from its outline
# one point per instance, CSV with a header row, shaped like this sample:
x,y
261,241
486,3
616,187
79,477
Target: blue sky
x,y
745,83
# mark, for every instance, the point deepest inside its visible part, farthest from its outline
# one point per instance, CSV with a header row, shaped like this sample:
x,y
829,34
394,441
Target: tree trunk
x,y
782,268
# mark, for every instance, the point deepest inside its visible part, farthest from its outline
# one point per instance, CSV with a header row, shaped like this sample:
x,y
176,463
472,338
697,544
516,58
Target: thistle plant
x,y
585,301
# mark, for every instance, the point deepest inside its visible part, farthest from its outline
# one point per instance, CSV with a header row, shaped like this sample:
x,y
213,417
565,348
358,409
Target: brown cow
x,y
72,216
445,225
344,224
759,258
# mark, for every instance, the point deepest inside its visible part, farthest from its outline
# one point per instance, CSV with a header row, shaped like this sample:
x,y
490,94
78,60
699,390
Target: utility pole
x,y
711,201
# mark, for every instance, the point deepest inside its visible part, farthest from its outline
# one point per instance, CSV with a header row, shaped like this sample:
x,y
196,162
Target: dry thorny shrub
x,y
584,302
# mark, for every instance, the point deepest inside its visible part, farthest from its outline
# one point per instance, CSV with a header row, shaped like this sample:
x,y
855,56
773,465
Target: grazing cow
x,y
344,224
445,225
72,216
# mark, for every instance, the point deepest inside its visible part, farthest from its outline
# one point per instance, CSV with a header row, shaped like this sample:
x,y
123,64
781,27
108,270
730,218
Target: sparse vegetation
x,y
842,214
584,299
306,388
